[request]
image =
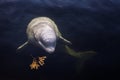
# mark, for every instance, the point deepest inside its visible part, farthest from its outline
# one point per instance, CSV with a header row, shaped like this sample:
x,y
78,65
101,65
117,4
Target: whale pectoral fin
x,y
65,40
22,46
83,54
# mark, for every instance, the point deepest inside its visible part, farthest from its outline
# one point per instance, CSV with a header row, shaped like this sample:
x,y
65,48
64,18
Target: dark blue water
x,y
88,24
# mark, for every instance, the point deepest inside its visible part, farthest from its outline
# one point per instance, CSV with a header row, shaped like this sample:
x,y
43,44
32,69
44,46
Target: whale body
x,y
43,32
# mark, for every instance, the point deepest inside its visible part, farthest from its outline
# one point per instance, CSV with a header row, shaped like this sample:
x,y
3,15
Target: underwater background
x,y
88,24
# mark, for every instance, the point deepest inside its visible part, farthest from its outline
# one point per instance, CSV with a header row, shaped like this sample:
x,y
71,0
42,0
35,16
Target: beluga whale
x,y
44,33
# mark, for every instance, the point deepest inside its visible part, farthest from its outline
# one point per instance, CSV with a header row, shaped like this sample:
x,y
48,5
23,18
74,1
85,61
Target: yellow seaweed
x,y
41,60
36,63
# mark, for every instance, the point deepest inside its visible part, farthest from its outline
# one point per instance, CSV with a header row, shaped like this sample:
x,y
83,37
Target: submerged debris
x,y
36,63
41,60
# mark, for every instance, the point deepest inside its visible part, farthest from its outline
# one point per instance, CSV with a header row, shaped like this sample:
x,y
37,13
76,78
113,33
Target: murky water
x,y
89,25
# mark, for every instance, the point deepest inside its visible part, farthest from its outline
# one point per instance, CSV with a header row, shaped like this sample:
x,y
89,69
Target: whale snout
x,y
47,40
48,46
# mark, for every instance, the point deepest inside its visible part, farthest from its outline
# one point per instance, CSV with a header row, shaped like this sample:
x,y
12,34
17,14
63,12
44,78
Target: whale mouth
x,y
50,49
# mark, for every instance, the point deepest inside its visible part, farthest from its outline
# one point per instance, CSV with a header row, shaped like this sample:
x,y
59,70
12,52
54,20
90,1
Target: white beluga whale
x,y
43,32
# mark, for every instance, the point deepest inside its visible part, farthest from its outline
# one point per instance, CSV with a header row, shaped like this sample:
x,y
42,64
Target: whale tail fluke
x,y
81,54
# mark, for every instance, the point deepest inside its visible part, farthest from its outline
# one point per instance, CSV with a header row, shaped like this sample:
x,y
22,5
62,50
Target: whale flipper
x,y
22,46
65,40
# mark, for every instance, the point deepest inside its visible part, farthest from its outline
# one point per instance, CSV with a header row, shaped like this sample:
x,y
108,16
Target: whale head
x,y
46,38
